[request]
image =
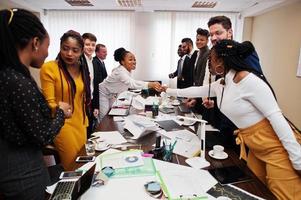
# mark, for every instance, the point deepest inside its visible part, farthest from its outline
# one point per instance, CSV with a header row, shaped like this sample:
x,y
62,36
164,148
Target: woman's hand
x,y
66,109
156,85
95,112
208,103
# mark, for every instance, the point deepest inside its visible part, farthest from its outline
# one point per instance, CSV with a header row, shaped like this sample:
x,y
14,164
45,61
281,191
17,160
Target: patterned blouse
x,y
25,118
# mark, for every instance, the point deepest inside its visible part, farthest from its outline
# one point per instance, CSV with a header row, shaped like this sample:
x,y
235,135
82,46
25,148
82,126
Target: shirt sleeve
x,y
132,83
193,92
32,122
272,112
47,77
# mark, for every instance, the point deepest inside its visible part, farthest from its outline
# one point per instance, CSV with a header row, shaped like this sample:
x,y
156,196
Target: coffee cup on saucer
x,y
218,150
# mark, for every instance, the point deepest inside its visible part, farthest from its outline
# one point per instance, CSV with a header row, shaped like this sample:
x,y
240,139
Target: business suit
x,y
200,66
100,73
187,70
178,72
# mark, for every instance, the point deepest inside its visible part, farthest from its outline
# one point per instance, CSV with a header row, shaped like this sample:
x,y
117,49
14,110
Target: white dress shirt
x,y
118,81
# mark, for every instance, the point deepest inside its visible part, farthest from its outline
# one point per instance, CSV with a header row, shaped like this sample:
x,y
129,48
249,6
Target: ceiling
x,y
245,7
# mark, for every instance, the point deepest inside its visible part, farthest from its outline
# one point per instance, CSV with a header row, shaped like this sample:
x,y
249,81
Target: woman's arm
x,y
193,92
265,102
32,116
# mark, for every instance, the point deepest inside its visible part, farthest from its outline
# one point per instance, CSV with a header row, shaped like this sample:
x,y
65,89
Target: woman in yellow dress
x,y
67,79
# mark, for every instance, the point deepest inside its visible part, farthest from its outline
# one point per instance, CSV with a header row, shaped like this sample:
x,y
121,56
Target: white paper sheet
x,y
110,137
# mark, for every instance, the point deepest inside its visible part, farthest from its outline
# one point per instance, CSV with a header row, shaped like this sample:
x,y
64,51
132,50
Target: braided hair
x,y
83,69
234,54
17,28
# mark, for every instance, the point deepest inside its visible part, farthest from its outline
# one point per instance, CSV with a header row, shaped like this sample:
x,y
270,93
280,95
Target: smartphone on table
x,y
85,159
71,174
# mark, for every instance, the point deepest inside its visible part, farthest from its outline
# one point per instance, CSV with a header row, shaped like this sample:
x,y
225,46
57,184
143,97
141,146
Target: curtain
x,y
153,37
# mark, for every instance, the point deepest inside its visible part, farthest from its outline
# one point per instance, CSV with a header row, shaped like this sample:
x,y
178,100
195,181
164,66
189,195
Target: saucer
x,y
188,123
221,157
177,103
102,146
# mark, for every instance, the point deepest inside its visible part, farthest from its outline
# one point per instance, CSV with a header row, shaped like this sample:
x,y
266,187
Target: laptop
x,y
73,188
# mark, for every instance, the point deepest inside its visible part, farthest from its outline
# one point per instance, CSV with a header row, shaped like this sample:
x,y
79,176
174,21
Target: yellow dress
x,y
73,134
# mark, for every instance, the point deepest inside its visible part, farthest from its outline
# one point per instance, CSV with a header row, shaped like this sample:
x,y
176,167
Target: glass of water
x,y
90,148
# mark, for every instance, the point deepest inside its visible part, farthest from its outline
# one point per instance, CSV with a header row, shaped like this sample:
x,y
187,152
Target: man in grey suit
x,y
178,72
100,73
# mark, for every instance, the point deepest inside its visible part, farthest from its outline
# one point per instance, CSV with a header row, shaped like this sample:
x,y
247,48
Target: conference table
x,y
254,186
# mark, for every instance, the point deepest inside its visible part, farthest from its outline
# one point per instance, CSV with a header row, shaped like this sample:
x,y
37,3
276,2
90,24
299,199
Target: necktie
x,y
179,67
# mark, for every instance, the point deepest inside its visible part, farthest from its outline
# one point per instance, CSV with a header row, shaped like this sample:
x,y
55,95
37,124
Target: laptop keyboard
x,y
63,190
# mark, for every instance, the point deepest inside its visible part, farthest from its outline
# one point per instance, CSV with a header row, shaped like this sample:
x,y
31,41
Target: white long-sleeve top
x,y
119,81
247,102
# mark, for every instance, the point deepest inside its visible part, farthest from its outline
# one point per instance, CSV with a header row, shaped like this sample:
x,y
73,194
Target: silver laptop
x,y
73,189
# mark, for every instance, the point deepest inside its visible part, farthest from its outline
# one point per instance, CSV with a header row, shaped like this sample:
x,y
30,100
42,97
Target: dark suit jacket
x,y
200,67
100,73
187,71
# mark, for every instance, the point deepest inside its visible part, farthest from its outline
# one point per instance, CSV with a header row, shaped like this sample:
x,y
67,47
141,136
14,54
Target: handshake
x,y
157,86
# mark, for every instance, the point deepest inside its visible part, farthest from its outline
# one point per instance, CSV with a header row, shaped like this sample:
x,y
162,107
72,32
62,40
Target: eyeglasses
x,y
153,188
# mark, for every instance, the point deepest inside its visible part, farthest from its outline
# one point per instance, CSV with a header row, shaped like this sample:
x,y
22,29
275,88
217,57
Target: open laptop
x,y
73,188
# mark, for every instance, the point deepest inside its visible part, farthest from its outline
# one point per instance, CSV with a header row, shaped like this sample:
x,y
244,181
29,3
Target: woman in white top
x,y
120,80
274,148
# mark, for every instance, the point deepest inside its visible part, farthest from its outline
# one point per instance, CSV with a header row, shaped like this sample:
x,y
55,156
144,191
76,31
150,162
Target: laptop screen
x,y
85,181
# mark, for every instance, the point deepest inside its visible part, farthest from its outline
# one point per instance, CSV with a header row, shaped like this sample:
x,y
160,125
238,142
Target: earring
x,y
36,48
219,70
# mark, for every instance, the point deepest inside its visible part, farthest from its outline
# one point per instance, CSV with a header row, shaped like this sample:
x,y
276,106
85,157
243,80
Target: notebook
x,y
73,188
170,125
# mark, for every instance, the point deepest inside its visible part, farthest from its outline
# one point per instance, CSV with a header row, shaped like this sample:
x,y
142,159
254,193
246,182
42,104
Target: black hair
x,y
187,40
223,20
83,69
119,54
17,28
202,32
89,36
234,54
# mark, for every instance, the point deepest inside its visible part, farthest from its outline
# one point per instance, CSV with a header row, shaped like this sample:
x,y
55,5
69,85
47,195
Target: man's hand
x,y
208,103
190,102
171,75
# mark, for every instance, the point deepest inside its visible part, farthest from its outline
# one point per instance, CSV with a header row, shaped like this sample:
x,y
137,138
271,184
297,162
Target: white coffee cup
x,y
218,150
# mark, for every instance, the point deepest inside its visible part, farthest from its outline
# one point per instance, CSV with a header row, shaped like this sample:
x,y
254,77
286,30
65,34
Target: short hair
x,y
98,46
202,32
223,20
89,36
187,40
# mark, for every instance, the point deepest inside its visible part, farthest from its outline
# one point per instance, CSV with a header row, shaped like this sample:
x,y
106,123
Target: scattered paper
x,y
110,137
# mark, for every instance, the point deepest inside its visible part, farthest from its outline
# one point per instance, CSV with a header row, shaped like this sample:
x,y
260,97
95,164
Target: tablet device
x,y
231,174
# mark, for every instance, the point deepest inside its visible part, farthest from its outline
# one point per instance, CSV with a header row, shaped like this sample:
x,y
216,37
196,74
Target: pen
x,y
192,119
